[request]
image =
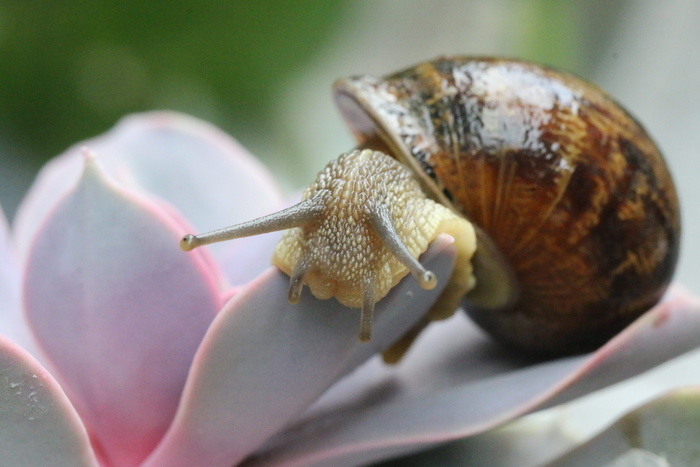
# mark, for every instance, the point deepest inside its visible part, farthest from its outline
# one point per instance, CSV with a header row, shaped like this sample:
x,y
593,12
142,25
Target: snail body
x,y
574,210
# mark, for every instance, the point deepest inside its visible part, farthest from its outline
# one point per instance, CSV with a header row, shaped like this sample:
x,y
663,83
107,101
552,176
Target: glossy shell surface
x,y
565,182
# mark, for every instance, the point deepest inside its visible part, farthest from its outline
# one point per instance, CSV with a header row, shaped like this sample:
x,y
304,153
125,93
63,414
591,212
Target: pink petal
x,y
119,309
38,425
263,361
456,383
202,172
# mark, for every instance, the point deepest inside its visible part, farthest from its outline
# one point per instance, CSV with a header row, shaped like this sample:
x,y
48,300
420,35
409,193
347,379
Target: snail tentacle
x,y
296,280
380,220
300,214
367,310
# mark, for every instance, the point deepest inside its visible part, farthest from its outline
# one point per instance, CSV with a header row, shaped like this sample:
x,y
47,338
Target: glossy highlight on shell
x,y
569,187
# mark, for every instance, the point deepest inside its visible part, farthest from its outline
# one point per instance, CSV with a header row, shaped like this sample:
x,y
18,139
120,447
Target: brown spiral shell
x,y
564,181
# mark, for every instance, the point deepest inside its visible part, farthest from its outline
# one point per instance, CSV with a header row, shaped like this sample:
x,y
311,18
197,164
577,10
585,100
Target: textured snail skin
x,y
565,182
340,252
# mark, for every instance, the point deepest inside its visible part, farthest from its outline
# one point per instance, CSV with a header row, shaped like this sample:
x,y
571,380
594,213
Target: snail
x,y
564,213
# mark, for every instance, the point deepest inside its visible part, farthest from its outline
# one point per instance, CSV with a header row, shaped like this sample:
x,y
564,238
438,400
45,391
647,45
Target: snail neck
x,y
497,286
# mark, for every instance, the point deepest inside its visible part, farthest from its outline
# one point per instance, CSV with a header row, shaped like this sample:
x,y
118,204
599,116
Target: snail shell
x,y
578,219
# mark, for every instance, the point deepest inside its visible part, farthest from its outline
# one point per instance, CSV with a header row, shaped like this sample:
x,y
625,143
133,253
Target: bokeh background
x,y
262,70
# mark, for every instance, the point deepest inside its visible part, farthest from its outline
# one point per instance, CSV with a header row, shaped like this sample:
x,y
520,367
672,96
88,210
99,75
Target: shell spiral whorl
x,y
566,183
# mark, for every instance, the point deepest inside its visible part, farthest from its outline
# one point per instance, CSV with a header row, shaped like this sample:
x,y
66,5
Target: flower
x,y
141,354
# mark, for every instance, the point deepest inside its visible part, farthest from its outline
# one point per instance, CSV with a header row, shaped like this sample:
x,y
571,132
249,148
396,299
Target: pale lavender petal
x,y
202,172
9,283
666,429
38,425
263,361
12,324
119,310
456,383
244,259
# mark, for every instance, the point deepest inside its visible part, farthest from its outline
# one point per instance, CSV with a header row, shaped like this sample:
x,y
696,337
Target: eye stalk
x,y
300,214
358,230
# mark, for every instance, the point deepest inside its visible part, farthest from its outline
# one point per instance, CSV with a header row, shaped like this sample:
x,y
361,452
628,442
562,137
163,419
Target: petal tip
x,y
88,154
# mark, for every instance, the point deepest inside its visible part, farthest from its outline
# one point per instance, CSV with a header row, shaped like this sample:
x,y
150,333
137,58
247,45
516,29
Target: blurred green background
x,y
71,69
262,70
